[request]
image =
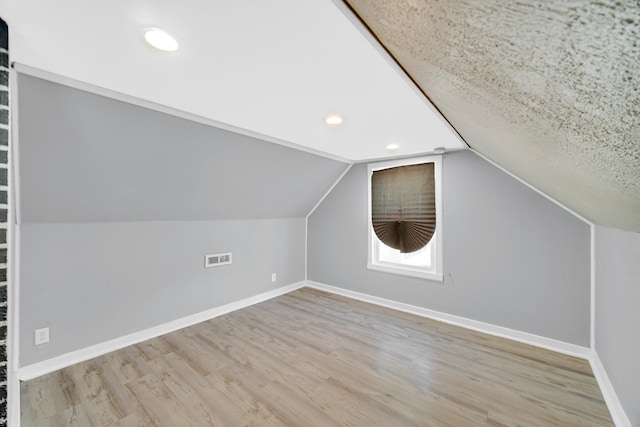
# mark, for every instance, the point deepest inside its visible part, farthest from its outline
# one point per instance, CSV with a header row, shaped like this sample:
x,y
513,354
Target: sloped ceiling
x,y
550,90
89,158
547,89
274,68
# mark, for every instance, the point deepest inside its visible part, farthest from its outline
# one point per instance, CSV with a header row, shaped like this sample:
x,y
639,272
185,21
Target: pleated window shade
x,y
403,206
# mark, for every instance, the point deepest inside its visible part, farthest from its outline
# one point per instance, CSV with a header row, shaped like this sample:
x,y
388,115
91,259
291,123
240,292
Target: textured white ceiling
x,y
550,90
275,68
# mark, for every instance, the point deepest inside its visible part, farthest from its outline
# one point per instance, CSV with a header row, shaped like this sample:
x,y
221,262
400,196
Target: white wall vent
x,y
217,259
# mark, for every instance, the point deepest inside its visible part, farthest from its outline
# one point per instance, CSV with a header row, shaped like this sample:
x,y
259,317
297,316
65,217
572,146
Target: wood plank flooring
x,y
310,358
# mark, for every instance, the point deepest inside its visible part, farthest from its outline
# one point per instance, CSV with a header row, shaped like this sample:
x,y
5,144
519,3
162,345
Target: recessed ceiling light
x,y
393,146
160,39
334,120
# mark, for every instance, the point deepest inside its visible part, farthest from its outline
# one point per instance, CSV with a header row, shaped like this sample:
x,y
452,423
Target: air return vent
x,y
217,259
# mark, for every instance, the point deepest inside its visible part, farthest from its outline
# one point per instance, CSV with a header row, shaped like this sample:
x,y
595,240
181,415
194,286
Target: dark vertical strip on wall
x,y
4,207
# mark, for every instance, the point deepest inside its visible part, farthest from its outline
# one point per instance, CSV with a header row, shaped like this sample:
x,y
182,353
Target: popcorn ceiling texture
x,y
550,90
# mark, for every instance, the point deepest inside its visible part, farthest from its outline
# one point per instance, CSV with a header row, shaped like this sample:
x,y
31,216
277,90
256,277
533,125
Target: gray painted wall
x,y
84,157
93,282
617,318
512,258
119,205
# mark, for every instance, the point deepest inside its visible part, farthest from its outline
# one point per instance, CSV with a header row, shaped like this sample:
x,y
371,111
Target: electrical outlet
x,y
42,336
273,277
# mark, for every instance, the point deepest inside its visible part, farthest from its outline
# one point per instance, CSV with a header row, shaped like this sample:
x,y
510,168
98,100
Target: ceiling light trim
x,y
334,120
161,39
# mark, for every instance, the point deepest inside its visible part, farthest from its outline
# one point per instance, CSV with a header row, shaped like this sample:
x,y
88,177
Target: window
x,y
404,195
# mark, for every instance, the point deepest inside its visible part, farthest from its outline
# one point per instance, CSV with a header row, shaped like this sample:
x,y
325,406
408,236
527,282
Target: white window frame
x,y
435,273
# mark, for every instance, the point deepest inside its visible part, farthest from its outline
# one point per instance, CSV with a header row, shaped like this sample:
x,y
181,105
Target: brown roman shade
x,y
403,206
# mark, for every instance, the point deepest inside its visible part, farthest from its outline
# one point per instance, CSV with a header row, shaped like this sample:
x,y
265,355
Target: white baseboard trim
x,y
487,328
608,392
51,365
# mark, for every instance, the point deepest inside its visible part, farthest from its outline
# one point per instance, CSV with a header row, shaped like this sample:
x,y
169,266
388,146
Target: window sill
x,y
405,271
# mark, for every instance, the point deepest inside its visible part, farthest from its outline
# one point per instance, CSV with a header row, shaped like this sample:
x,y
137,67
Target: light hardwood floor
x,y
310,358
